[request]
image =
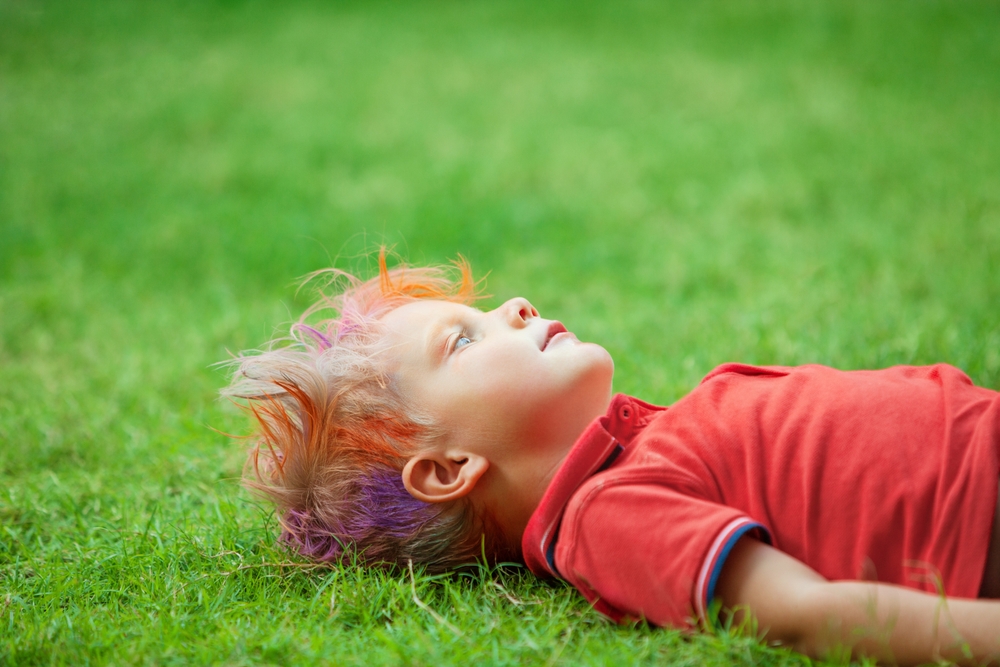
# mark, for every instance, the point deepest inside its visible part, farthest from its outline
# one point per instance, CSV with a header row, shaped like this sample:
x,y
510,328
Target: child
x,y
840,508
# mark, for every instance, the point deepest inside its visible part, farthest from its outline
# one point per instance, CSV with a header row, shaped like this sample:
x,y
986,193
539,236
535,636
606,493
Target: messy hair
x,y
333,431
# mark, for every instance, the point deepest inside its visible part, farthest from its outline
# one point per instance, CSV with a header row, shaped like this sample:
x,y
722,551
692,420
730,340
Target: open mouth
x,y
554,328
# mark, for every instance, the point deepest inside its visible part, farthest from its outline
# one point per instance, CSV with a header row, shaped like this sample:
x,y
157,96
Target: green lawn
x,y
687,183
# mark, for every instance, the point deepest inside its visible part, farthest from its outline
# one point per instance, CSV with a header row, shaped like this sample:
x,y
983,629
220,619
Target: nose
x,y
518,311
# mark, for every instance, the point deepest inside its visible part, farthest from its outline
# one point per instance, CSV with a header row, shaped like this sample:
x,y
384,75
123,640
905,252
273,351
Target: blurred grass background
x,y
687,183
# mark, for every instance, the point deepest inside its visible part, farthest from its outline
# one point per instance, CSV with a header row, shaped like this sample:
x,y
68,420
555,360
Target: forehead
x,y
423,314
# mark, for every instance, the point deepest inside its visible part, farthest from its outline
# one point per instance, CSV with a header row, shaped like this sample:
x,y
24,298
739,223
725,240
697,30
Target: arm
x,y
797,607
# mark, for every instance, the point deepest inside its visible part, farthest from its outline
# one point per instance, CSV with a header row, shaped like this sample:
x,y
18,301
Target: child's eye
x,y
462,341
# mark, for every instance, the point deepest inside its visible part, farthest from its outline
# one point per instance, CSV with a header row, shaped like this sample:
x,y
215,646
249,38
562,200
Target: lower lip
x,y
558,336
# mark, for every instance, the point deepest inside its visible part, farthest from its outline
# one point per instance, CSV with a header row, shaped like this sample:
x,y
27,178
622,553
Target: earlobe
x,y
434,477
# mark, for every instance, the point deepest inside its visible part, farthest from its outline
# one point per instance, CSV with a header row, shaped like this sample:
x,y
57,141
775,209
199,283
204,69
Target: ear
x,y
438,477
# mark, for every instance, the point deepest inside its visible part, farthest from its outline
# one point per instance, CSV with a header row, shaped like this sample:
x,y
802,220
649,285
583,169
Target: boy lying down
x,y
853,509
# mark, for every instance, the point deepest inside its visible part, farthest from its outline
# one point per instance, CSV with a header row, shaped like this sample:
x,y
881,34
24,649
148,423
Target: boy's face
x,y
502,381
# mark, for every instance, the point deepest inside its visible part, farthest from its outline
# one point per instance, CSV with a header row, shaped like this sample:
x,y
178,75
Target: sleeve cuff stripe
x,y
712,566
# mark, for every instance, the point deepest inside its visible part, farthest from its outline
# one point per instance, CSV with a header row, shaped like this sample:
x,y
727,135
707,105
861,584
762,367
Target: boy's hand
x,y
797,607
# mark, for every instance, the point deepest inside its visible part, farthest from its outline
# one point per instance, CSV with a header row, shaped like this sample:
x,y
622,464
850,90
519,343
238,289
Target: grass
x,y
770,182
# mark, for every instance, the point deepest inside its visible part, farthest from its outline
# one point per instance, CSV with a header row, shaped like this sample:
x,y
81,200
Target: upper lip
x,y
554,328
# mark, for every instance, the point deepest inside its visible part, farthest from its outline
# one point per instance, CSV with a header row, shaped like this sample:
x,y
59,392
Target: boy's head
x,y
409,424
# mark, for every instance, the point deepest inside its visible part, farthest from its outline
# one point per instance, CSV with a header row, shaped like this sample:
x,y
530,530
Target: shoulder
x,y
645,550
747,370
731,371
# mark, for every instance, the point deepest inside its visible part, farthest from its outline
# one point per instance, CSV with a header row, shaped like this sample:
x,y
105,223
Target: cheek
x,y
506,378
526,384
514,383
489,387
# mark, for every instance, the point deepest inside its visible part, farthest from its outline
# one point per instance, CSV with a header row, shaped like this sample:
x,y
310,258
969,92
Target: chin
x,y
596,383
603,364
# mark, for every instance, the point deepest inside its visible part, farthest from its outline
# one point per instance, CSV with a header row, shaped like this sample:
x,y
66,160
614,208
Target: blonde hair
x,y
333,432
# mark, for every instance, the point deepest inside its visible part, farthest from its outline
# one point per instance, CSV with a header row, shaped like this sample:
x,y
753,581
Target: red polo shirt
x,y
885,475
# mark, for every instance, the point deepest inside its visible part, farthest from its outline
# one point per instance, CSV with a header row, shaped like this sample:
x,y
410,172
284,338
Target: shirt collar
x,y
594,450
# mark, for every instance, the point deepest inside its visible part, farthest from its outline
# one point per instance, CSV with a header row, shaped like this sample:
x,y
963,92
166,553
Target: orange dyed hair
x,y
333,431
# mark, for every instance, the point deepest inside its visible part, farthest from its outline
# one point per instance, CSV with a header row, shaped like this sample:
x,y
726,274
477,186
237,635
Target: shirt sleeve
x,y
646,551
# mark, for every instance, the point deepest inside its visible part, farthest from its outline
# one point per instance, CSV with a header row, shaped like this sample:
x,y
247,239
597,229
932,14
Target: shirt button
x,y
625,412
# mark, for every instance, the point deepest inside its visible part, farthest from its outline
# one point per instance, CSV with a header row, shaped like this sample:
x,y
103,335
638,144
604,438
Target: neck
x,y
520,471
512,490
